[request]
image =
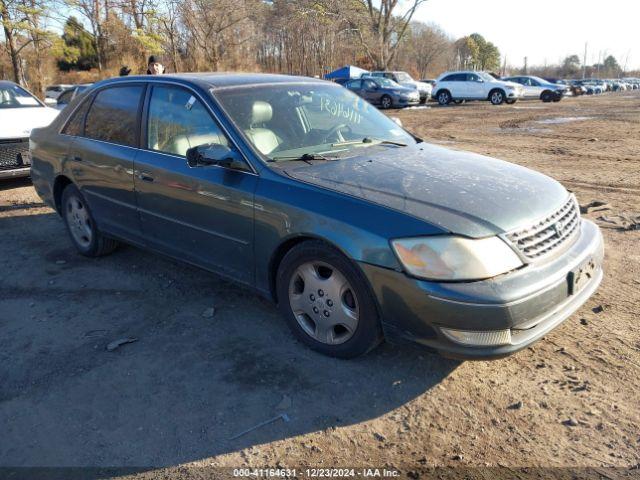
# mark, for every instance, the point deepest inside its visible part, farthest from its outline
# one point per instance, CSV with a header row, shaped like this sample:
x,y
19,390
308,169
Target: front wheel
x,y
497,97
82,227
327,302
386,102
546,97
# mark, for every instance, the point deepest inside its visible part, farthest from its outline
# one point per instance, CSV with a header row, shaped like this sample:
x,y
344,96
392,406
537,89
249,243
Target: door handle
x,y
145,177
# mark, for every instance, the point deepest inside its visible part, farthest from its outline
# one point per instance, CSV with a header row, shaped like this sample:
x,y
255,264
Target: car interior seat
x,y
264,139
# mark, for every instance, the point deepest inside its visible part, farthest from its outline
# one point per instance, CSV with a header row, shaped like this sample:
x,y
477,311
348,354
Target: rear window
x,y
75,126
113,116
456,77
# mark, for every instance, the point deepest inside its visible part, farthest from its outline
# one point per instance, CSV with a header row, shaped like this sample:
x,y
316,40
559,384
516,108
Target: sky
x,y
544,30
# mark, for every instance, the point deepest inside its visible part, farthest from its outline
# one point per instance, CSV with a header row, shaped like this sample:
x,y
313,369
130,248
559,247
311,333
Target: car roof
x,y
6,83
221,79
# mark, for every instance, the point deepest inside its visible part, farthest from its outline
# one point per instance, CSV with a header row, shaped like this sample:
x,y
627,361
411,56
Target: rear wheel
x,y
497,97
327,302
386,102
546,96
81,226
444,97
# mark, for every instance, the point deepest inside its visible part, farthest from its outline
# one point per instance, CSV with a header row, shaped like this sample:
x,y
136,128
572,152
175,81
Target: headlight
x,y
449,257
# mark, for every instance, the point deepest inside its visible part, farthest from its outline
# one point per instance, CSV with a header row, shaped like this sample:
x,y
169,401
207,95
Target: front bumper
x,y
15,173
528,302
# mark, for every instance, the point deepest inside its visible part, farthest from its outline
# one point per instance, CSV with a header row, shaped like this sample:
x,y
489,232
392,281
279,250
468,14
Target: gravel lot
x,y
192,381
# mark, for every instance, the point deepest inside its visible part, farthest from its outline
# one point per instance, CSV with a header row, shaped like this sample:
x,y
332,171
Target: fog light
x,y
478,338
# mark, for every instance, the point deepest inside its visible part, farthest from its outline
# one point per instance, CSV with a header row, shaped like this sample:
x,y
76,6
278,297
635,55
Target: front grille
x,y
13,154
544,237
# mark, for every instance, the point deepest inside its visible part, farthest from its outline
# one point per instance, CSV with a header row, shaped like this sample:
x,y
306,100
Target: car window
x,y
113,115
75,126
355,84
377,74
533,82
282,120
472,77
65,97
14,96
370,84
178,121
449,78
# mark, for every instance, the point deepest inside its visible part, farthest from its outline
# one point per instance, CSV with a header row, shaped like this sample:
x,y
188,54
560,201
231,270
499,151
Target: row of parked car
x,y
397,89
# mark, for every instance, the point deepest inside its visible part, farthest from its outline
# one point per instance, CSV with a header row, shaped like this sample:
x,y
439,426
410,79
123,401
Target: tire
x,y
386,102
444,97
510,101
327,302
546,96
497,97
82,227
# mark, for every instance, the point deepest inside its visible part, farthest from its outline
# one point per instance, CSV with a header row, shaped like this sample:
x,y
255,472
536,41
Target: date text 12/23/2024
x,y
315,473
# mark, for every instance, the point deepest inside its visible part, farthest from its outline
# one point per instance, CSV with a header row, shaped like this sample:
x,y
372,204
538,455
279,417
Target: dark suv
x,y
303,191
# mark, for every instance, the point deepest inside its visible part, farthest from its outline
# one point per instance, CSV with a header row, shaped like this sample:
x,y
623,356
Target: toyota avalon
x,y
300,189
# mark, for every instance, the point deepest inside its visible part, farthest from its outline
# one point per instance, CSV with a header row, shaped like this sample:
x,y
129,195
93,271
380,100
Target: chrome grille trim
x,y
544,237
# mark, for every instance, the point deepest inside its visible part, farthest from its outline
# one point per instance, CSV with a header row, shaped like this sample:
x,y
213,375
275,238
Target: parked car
x,y
383,92
300,189
538,88
54,91
468,85
20,111
405,80
70,94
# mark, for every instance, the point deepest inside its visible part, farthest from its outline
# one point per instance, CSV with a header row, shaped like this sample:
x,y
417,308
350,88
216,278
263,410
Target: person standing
x,y
155,66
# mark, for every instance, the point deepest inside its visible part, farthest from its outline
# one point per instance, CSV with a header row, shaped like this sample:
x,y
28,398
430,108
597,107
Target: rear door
x,y
102,155
202,214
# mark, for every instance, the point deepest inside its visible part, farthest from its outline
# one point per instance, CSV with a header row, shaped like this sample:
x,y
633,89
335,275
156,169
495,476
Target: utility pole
x,y
504,66
584,62
525,65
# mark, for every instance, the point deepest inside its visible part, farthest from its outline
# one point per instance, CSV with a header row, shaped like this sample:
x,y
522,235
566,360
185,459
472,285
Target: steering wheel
x,y
336,132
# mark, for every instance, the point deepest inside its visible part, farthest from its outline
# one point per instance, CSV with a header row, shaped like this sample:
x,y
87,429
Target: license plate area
x,y
580,276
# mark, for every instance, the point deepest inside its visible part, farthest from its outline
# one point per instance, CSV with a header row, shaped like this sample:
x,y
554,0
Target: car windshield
x,y
286,121
485,76
13,96
403,77
386,82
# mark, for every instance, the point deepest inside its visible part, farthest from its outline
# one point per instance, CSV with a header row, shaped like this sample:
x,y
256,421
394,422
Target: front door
x,y
202,214
371,91
475,86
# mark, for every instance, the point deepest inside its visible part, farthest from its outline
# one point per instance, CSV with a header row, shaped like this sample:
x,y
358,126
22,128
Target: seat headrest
x,y
261,112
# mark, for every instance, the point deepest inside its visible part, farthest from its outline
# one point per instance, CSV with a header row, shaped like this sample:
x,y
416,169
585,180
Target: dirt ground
x,y
191,382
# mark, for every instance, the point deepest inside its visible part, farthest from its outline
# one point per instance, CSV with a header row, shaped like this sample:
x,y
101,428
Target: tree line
x,y
70,41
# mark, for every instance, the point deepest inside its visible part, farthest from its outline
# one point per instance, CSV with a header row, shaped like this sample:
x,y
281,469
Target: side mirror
x,y
214,154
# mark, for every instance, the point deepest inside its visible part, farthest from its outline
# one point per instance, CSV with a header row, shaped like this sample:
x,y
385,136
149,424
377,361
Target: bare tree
x,y
379,27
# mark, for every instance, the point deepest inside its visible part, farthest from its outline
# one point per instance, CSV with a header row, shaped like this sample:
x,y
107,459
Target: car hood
x,y
18,122
508,83
461,192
